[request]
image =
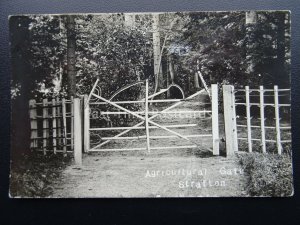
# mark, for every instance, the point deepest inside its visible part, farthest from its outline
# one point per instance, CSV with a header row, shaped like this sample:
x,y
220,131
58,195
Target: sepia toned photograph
x,y
151,105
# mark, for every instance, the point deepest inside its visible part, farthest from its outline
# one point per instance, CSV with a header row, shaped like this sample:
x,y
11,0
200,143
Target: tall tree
x,y
157,51
71,56
250,20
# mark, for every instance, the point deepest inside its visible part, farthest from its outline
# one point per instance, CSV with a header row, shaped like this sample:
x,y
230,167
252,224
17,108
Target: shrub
x,y
33,175
268,174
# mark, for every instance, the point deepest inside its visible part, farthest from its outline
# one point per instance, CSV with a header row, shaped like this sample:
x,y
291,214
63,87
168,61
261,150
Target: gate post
x,y
77,132
86,130
215,118
230,120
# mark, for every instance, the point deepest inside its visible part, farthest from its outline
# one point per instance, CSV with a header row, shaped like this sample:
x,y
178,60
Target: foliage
x,y
216,42
115,53
268,174
32,176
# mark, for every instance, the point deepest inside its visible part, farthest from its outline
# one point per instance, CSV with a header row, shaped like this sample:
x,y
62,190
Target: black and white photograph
x,y
151,105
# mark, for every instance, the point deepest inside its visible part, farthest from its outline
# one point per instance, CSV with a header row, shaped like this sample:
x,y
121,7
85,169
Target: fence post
x,y
248,115
215,118
86,131
77,132
64,122
45,125
262,118
72,123
54,117
33,124
58,123
277,120
230,120
146,116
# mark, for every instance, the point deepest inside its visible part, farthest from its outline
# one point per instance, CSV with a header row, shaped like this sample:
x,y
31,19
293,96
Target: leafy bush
x,y
268,174
32,175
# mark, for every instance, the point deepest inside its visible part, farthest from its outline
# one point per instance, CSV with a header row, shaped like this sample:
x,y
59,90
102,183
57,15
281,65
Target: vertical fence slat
x,y
277,120
54,118
77,132
248,115
64,126
72,122
33,123
230,120
58,123
215,118
262,119
45,125
86,124
146,116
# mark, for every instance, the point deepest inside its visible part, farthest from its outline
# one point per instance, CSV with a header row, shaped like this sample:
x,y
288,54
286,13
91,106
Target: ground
x,y
119,175
160,173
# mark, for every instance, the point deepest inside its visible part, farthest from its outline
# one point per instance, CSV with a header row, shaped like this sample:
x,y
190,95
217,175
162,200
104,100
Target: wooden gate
x,y
91,117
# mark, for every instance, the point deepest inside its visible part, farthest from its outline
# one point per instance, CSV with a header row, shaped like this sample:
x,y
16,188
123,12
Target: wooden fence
x,y
52,125
232,128
62,125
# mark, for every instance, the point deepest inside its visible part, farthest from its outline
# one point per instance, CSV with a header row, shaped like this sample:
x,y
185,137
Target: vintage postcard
x,y
164,104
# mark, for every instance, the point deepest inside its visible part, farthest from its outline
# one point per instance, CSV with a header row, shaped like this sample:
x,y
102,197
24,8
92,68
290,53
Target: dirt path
x,y
116,175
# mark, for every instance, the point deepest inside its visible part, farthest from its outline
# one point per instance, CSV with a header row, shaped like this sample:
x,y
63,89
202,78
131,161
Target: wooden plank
x,y
277,121
92,91
137,149
215,119
58,111
262,119
235,140
146,116
141,128
156,137
45,125
203,82
248,115
230,120
33,123
54,119
72,122
158,112
86,125
77,132
64,121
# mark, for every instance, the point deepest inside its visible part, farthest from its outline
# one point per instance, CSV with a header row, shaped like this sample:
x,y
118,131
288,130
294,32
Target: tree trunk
x,y
251,19
196,81
71,57
156,51
171,69
21,74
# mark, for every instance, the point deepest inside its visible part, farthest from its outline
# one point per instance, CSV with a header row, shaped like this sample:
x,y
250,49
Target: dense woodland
x,y
62,55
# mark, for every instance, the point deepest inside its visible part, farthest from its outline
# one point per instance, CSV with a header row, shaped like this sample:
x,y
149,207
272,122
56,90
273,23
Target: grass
x,y
33,175
267,174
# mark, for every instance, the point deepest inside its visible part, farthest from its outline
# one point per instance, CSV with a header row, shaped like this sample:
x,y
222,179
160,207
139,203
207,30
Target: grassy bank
x,y
268,174
33,175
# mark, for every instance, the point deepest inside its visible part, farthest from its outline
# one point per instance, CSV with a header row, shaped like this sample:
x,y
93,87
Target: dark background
x,y
124,211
